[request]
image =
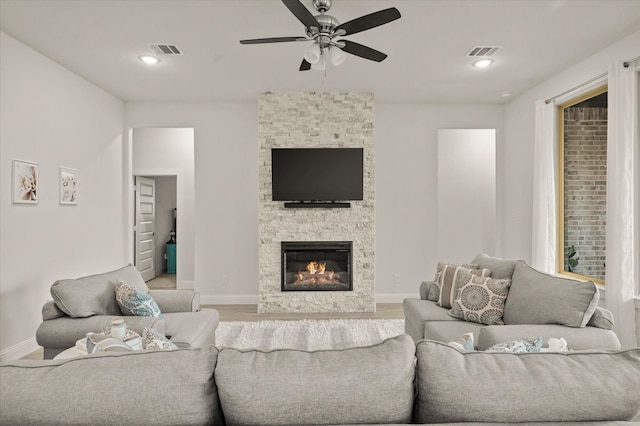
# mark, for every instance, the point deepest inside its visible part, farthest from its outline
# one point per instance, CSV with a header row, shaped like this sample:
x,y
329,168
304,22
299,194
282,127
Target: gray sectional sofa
x,y
394,382
82,305
537,305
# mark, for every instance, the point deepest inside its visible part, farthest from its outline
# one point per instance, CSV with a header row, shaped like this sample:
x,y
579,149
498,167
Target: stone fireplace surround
x,y
316,120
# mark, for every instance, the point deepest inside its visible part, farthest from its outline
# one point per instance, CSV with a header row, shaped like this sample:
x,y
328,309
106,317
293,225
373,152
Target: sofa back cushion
x,y
532,387
500,268
94,294
539,298
290,387
135,388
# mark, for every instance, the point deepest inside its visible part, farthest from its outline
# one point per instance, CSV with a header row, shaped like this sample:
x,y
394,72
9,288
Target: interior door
x,y
145,226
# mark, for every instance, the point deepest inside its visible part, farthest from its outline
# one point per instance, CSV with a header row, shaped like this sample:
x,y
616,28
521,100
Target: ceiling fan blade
x,y
272,40
305,66
363,51
302,13
372,20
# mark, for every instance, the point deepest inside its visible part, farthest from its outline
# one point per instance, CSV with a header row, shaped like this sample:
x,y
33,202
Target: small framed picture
x,y
25,182
68,186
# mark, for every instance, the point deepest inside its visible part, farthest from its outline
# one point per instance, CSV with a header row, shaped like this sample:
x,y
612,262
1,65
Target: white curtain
x,y
620,266
543,253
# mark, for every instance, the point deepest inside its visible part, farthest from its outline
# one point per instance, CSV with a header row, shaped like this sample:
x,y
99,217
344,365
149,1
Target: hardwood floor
x,y
163,282
250,313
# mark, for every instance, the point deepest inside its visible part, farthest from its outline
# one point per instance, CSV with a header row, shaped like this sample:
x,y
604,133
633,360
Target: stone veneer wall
x,y
585,187
316,120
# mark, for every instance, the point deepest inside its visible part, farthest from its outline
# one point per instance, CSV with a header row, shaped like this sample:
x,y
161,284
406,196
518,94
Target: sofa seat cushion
x,y
533,387
94,294
539,298
577,338
135,388
448,331
373,384
418,312
192,329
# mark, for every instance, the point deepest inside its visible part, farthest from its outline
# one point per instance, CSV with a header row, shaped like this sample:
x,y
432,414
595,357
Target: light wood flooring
x,y
250,313
163,282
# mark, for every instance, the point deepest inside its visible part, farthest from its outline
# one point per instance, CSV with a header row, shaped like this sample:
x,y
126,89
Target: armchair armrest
x,y
62,333
176,300
51,311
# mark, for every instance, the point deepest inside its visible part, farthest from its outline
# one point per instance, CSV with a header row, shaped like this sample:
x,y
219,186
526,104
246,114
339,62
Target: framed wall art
x,y
25,182
68,186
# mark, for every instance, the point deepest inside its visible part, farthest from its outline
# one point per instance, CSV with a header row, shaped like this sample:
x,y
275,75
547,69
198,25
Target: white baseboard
x,y
228,299
394,297
19,350
187,285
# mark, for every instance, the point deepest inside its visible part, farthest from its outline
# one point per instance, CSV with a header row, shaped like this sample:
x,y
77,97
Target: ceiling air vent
x,y
482,51
165,49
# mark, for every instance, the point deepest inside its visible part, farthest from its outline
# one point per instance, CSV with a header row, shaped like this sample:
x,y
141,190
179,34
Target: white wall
x,y
170,151
406,189
519,133
51,116
466,193
226,174
226,191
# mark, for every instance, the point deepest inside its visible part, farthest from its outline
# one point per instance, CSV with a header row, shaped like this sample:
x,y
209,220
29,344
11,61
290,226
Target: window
x,y
582,171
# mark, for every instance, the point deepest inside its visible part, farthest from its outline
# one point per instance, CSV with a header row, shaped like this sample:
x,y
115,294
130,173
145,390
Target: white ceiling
x,y
101,41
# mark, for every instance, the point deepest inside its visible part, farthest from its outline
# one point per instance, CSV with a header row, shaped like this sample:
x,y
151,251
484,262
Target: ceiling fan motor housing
x,y
322,5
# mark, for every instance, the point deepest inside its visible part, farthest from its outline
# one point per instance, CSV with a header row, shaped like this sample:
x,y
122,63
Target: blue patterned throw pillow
x,y
135,302
464,342
528,345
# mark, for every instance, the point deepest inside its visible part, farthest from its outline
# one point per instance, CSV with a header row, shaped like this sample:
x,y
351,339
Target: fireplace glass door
x,y
316,266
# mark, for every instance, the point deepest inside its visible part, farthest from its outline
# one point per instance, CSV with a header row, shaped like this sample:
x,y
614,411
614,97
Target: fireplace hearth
x,y
316,266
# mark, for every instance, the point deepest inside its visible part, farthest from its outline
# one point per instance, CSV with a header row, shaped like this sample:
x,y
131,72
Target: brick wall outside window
x,y
585,184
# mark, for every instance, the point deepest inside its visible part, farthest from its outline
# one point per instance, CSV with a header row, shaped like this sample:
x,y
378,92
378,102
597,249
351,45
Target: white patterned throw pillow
x,y
449,282
134,302
153,339
523,346
480,299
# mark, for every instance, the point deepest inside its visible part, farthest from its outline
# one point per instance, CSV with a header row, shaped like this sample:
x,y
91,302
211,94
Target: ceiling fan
x,y
323,29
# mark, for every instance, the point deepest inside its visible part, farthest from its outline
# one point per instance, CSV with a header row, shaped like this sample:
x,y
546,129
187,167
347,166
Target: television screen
x,y
316,174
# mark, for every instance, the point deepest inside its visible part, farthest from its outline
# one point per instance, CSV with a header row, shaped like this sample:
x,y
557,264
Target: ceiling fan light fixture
x,y
337,56
313,54
320,64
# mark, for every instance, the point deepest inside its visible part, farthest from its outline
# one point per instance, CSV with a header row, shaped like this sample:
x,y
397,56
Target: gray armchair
x,y
82,305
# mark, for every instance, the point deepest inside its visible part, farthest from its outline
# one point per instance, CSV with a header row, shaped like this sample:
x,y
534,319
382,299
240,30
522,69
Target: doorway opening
x,y
156,230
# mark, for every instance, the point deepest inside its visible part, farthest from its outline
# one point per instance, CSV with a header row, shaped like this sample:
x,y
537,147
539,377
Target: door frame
x,y
179,205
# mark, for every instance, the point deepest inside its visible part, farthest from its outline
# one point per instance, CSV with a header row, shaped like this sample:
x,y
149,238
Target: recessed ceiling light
x,y
151,60
483,63
505,94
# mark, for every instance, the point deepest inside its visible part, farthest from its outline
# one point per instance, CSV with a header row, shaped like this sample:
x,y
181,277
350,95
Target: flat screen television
x,y
317,174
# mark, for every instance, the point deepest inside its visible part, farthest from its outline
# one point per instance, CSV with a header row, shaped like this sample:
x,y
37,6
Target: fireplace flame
x,y
316,268
316,273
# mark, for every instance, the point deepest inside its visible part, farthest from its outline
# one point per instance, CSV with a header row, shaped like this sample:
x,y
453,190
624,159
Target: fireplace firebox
x,y
316,266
